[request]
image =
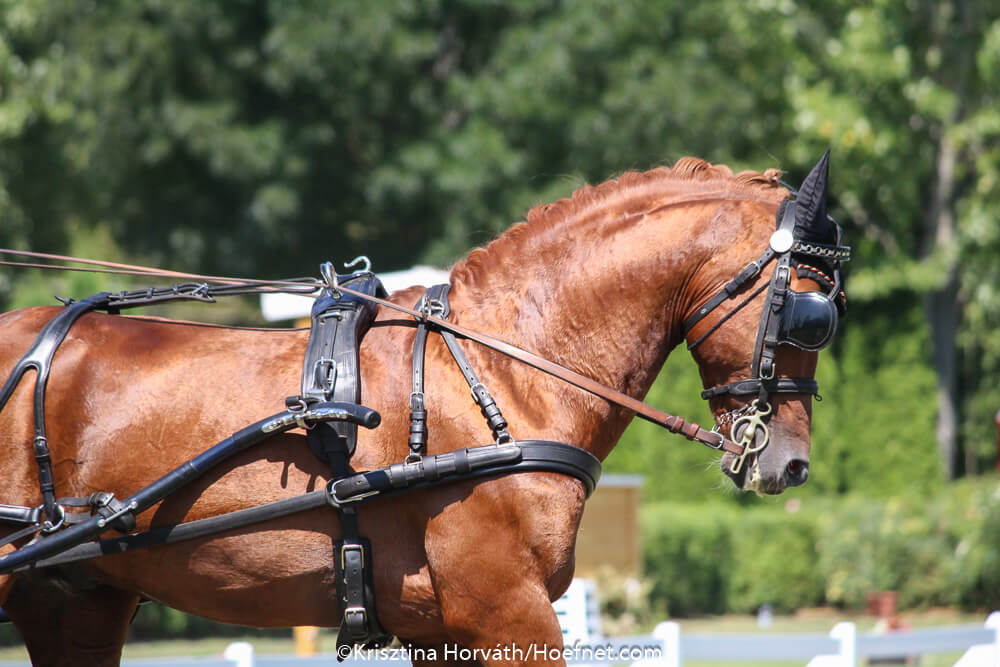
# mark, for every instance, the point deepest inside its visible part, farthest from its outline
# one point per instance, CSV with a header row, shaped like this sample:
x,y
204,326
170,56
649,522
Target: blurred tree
x,y
906,93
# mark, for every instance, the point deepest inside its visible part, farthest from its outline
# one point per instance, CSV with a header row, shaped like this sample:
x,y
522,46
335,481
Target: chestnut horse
x,y
600,283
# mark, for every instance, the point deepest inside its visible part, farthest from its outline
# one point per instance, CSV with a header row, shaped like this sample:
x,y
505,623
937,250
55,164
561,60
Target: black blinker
x,y
808,320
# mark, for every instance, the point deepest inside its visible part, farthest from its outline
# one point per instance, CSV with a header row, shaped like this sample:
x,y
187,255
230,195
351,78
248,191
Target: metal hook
x,y
329,275
360,258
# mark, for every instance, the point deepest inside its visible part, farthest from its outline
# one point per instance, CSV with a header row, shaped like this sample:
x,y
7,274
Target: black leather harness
x,y
328,407
749,422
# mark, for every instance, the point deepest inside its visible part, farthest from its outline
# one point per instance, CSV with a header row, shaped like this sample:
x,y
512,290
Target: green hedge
x,y
715,558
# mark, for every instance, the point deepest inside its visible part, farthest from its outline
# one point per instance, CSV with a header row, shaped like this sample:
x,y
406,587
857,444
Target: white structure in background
x,y
277,307
984,655
579,613
847,635
240,653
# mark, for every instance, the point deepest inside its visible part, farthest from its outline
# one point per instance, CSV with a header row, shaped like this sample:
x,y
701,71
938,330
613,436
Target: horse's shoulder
x,y
31,316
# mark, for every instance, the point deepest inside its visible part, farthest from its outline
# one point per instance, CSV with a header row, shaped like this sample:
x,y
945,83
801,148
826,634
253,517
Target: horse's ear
x,y
811,199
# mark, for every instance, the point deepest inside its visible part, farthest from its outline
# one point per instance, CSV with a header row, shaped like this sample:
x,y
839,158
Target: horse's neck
x,y
607,303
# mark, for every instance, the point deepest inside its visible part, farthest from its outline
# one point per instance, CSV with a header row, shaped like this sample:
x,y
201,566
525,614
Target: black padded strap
x,y
330,370
775,386
434,302
524,456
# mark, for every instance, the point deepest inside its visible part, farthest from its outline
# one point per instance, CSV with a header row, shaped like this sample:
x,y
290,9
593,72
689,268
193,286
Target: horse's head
x,y
767,303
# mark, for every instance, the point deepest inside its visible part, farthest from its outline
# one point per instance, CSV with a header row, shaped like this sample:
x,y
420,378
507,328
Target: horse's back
x,y
129,398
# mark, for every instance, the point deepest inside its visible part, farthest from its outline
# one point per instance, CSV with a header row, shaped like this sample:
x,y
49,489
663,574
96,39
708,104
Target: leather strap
x,y
642,410
534,456
749,272
431,303
39,357
330,370
471,463
775,386
435,301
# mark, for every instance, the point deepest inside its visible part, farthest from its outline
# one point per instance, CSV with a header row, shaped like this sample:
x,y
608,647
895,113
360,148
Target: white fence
x,y
669,647
842,647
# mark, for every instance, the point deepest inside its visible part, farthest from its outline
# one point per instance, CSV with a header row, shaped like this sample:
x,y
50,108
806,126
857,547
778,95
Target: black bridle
x,y
806,320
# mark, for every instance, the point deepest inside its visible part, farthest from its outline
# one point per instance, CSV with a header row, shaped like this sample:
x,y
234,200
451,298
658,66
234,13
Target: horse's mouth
x,y
750,477
739,478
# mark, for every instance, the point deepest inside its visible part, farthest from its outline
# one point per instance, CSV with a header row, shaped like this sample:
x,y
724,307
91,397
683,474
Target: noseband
x,y
806,320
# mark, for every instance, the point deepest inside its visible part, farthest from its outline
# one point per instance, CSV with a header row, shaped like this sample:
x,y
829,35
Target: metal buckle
x,y
335,502
430,307
718,445
361,612
351,547
103,521
475,396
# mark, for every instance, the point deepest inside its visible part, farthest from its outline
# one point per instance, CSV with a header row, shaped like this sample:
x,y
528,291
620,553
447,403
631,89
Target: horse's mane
x,y
689,178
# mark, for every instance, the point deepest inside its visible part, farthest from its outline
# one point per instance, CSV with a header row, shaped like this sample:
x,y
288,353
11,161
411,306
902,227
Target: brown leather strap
x,y
692,431
712,439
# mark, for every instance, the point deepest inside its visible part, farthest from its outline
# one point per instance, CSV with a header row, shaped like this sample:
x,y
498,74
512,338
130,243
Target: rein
x,y
692,431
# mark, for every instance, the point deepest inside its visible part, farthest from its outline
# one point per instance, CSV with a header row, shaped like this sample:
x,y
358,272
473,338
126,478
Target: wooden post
x,y
305,639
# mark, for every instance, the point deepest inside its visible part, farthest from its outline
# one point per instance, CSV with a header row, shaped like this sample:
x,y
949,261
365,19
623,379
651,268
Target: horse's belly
x,y
281,573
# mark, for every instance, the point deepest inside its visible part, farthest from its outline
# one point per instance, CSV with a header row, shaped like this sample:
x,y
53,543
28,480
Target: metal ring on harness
x,y
49,527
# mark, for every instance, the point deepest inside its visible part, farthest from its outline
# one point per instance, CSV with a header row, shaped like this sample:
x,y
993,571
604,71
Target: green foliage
x,y
931,550
868,434
717,559
869,546
686,553
874,431
773,561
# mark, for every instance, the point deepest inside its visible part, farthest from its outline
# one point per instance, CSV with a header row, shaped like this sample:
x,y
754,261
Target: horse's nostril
x,y
797,472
